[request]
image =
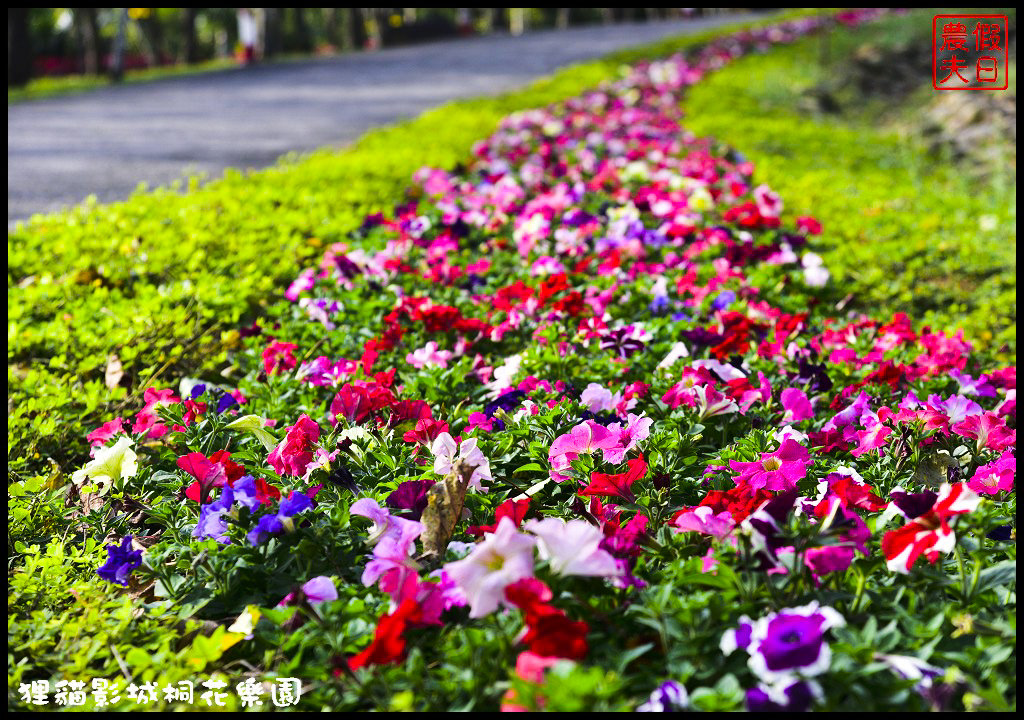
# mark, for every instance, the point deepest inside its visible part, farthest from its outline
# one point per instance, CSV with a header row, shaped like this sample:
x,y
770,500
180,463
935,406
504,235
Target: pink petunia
x,y
797,406
995,477
295,453
777,471
990,431
585,438
705,520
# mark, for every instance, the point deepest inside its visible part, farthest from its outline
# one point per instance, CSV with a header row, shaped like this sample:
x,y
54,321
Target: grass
x,y
46,87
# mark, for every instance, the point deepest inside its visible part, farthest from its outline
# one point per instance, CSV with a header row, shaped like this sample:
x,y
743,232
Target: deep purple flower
x,y
410,495
792,642
670,696
699,338
507,402
198,390
813,375
912,505
121,560
623,341
790,696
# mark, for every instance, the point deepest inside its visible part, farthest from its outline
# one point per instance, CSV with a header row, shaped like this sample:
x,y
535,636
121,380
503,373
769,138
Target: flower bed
x,y
571,429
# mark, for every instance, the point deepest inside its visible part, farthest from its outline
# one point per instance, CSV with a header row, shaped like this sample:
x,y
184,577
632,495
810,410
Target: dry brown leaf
x,y
445,501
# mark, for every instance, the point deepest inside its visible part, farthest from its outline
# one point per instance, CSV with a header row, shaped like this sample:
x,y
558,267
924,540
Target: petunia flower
x,y
797,406
429,355
788,695
670,696
989,429
445,457
929,533
110,465
211,518
703,519
585,438
780,470
602,484
996,476
294,454
787,643
571,548
121,561
503,557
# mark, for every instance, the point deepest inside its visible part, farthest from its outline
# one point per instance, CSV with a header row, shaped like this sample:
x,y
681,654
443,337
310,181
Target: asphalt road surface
x,y
106,142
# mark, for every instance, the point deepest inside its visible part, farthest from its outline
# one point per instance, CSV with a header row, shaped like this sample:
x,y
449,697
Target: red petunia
x,y
929,534
514,510
616,485
388,644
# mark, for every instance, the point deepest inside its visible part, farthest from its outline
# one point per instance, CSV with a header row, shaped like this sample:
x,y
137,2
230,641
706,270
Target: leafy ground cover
x,y
571,427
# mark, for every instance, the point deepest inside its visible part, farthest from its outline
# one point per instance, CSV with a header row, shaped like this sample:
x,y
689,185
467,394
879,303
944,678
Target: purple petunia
x,y
788,643
787,696
268,525
121,560
670,696
211,517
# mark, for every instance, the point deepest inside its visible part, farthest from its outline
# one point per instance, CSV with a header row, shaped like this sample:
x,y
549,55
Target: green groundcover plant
x,y
574,425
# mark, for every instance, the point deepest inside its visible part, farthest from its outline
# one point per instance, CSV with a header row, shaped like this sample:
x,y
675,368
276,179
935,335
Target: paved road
x,y
106,142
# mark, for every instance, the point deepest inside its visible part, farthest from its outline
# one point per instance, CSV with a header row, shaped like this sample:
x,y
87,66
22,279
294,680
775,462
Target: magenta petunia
x,y
777,471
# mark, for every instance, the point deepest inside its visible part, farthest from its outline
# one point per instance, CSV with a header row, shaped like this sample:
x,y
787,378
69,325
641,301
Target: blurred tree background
x,y
48,42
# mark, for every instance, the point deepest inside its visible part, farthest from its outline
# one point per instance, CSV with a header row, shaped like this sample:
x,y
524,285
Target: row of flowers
x,y
598,343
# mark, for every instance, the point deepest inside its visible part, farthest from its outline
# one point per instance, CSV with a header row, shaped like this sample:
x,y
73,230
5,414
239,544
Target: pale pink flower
x,y
703,519
503,557
445,456
573,548
585,438
429,355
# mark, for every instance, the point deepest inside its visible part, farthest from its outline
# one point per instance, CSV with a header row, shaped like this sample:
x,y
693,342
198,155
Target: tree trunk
x,y
153,30
190,44
19,47
356,28
332,20
562,18
117,54
88,29
273,31
303,38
